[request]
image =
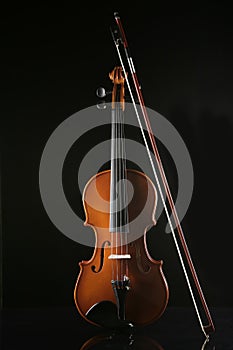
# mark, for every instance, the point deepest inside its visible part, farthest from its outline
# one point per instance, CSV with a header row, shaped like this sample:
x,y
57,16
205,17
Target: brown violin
x,y
121,284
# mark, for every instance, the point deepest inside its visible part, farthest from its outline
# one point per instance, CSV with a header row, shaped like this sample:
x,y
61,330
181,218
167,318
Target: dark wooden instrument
x,y
121,284
122,281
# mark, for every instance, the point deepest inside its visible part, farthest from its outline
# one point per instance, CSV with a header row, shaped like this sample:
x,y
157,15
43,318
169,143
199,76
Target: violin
x,y
121,284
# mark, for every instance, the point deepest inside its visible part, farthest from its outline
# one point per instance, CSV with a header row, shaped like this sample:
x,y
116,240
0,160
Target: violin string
x,y
159,187
120,185
116,192
121,190
118,214
124,244
111,192
125,195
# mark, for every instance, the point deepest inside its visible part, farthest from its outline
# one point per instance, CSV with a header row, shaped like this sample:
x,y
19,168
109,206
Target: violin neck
x,y
118,191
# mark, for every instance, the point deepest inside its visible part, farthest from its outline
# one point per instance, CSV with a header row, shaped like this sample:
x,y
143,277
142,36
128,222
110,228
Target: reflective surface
x,y
64,329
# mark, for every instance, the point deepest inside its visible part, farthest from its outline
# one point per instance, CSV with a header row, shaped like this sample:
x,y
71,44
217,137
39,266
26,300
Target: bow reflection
x,y
206,345
116,341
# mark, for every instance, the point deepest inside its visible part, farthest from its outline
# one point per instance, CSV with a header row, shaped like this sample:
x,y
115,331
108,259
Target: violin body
x,y
145,298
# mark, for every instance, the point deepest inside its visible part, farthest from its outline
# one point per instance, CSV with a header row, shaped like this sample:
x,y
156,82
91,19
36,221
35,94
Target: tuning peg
x,y
101,92
101,105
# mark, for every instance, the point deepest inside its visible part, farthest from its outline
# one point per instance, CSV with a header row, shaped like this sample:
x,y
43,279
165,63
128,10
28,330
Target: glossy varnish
x,y
147,296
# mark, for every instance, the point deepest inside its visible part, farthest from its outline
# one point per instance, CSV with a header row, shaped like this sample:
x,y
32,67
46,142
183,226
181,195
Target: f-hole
x,y
101,257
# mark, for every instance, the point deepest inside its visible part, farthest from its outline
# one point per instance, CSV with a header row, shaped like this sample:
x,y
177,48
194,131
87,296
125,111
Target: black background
x,y
54,58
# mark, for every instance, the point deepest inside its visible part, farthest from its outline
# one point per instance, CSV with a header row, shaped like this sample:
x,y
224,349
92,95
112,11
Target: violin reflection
x,y
116,341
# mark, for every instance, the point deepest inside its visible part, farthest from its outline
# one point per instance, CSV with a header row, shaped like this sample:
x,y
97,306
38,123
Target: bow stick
x,y
119,38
